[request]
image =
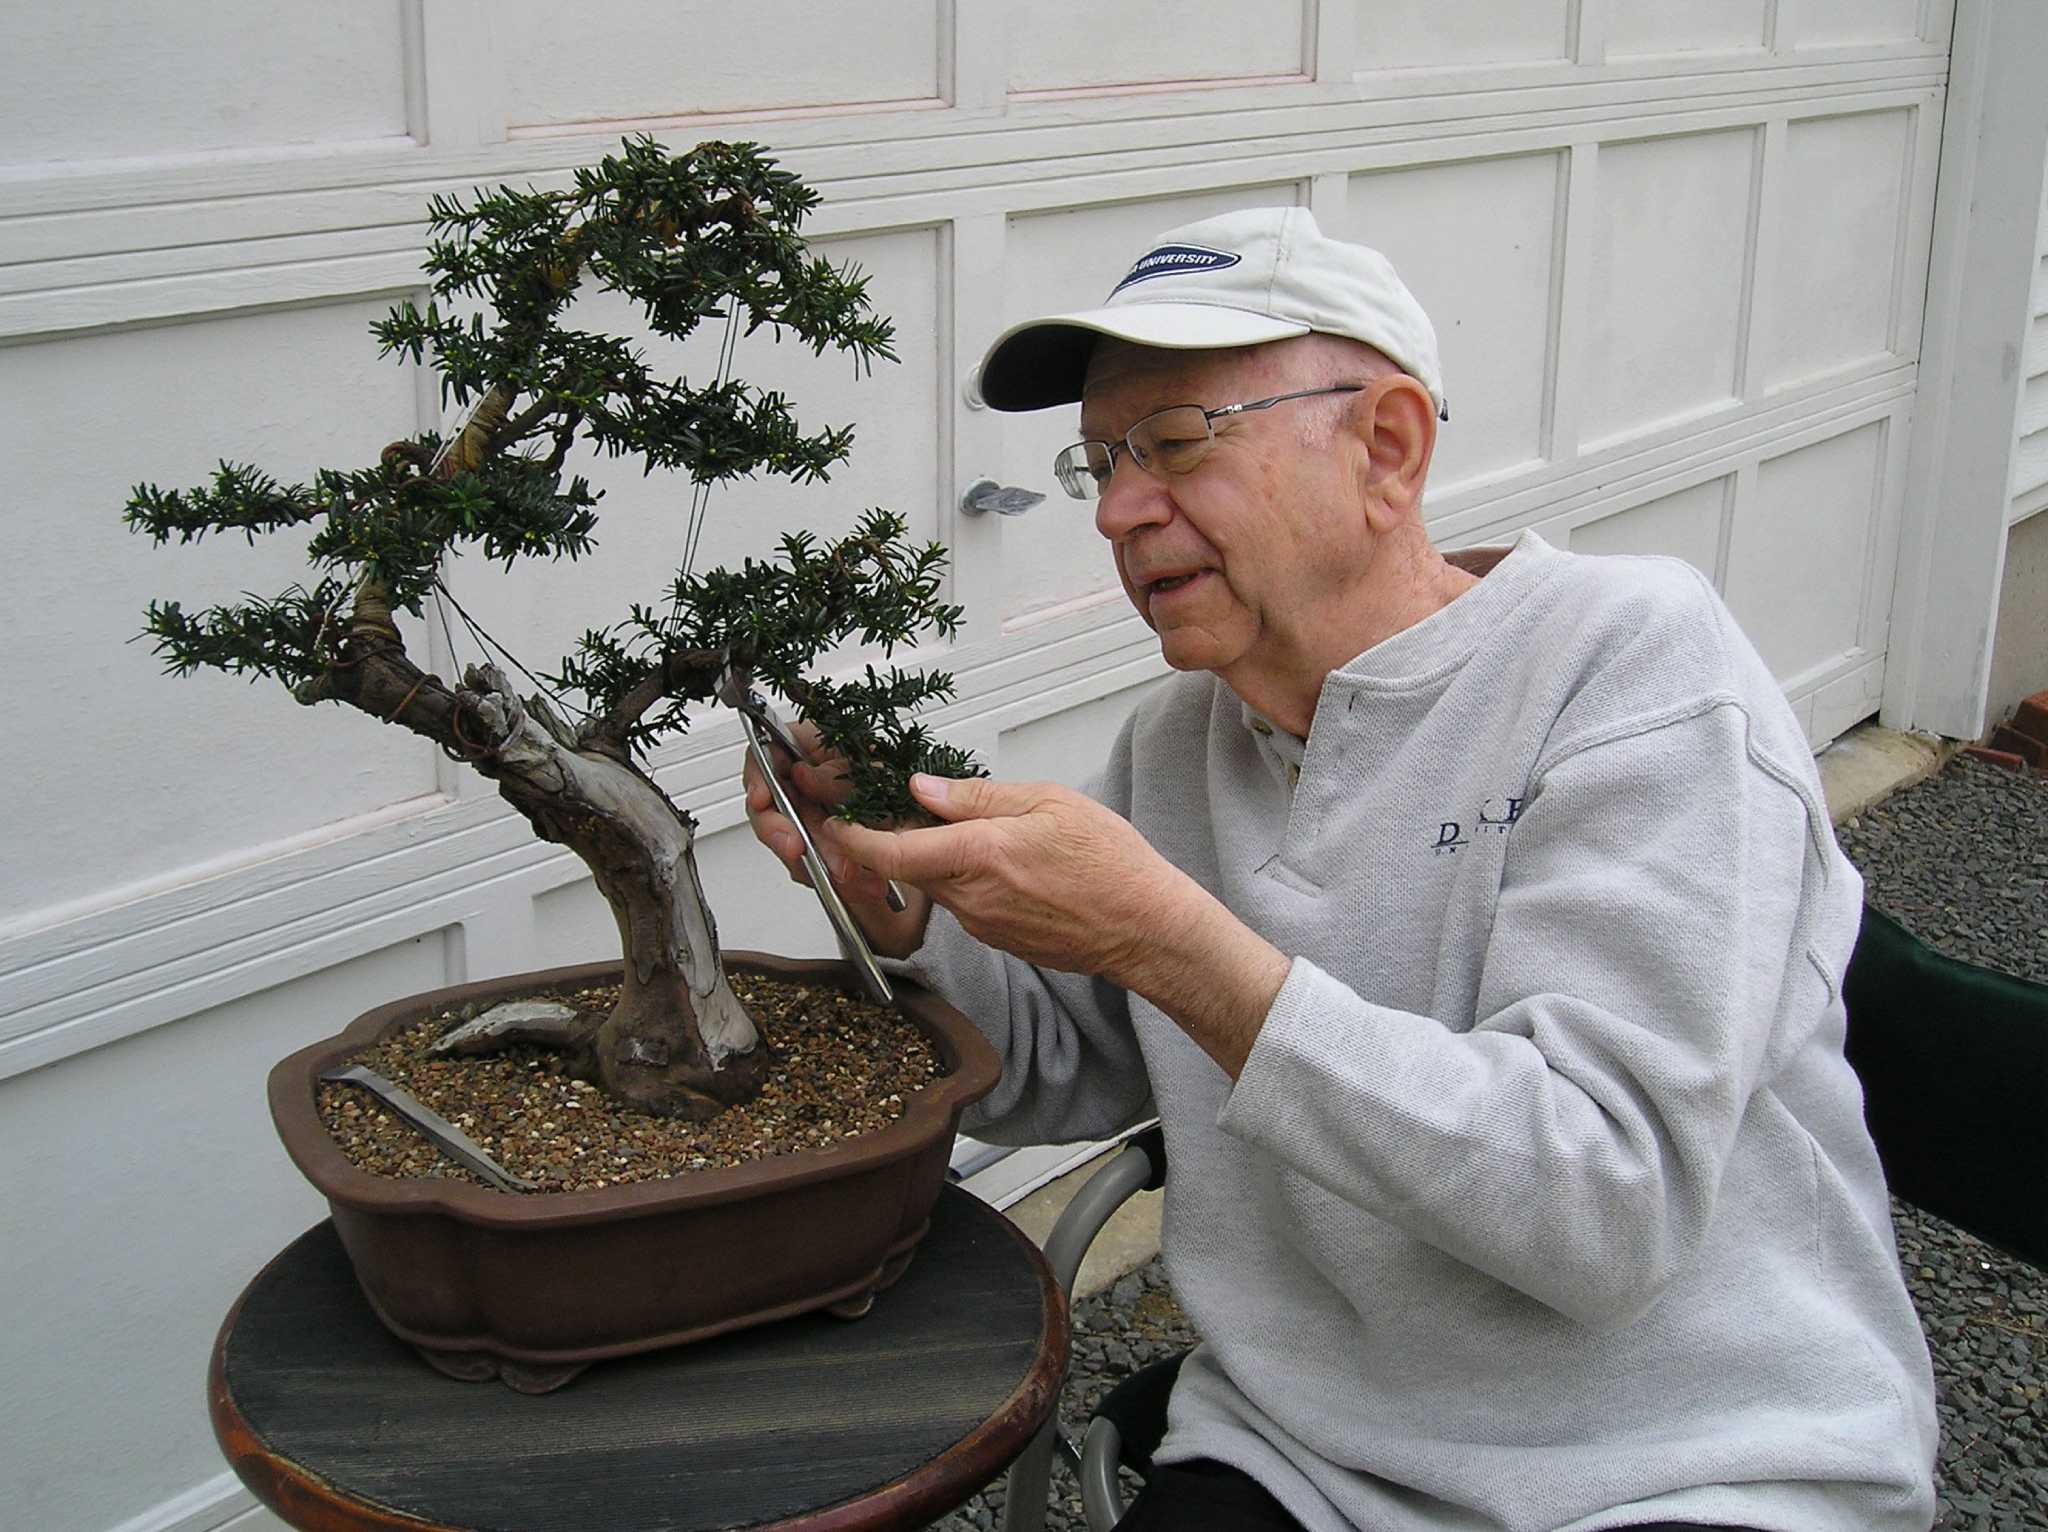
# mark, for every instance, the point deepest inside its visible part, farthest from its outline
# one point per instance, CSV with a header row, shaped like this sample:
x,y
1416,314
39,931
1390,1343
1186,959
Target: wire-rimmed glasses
x,y
1167,442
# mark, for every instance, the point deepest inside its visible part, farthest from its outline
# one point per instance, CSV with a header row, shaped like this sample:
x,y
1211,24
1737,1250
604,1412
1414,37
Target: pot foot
x,y
852,1308
897,1264
860,1303
537,1378
468,1366
481,1366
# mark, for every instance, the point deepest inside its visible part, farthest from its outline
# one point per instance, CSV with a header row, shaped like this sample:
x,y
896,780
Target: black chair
x,y
1954,1064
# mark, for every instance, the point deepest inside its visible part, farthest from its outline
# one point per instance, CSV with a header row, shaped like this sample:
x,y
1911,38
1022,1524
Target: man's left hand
x,y
1033,868
1053,877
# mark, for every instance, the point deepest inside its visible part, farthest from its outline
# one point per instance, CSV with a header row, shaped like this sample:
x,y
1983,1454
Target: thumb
x,y
957,798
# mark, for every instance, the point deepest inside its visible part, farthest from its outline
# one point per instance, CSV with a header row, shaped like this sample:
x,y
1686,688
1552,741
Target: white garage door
x,y
1675,250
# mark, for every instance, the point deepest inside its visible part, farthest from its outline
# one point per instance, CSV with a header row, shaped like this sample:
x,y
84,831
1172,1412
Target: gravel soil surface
x,y
1960,860
841,1066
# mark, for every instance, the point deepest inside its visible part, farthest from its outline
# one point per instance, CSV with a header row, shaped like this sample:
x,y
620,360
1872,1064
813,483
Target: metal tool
x,y
453,1142
759,724
751,704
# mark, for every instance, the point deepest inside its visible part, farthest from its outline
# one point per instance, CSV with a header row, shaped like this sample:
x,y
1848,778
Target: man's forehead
x,y
1121,374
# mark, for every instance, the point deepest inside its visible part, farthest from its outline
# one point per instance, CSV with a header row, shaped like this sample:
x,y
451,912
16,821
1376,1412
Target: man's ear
x,y
1396,422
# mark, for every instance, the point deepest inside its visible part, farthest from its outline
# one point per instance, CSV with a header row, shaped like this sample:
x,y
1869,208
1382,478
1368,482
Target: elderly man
x,y
1474,925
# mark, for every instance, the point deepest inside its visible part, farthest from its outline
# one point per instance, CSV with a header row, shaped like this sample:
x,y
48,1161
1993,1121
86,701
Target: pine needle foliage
x,y
709,234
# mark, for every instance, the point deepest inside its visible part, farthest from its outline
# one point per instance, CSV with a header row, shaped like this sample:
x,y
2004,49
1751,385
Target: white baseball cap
x,y
1239,279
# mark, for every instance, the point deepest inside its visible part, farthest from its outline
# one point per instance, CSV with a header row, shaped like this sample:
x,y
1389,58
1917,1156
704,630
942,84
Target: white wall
x,y
1676,253
1975,451
2030,433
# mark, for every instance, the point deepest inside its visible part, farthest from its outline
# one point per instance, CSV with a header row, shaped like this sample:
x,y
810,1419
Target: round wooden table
x,y
814,1423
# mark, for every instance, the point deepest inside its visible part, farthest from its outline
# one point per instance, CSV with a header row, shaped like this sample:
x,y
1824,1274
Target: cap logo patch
x,y
1173,261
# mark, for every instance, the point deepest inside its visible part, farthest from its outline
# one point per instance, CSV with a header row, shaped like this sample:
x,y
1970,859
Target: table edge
x,y
306,1501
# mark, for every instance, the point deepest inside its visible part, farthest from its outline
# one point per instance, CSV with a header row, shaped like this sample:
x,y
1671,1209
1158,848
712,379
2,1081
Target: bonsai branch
x,y
522,425
680,673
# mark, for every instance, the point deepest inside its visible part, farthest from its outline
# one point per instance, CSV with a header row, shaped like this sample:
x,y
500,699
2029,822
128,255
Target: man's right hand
x,y
816,788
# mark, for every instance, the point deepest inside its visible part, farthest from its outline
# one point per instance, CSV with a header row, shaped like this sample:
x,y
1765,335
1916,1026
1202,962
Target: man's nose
x,y
1131,499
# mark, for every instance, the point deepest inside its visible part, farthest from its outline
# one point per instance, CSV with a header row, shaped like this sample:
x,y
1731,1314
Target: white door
x,y
1674,248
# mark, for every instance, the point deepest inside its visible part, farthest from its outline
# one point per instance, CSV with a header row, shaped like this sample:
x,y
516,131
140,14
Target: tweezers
x,y
760,725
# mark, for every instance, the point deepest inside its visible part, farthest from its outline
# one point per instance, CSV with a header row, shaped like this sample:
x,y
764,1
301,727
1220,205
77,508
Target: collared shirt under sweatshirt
x,y
1544,1199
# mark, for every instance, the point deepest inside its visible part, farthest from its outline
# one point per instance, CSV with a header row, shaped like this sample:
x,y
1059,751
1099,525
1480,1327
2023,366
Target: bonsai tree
x,y
707,235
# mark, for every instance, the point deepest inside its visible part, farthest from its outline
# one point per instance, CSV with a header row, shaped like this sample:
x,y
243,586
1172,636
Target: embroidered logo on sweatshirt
x,y
1496,817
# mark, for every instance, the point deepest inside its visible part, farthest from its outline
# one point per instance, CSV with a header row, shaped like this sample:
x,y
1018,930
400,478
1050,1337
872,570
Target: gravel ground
x,y
1960,860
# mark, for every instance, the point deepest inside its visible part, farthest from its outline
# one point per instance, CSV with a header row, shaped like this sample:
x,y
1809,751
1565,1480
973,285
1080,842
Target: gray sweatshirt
x,y
1544,1199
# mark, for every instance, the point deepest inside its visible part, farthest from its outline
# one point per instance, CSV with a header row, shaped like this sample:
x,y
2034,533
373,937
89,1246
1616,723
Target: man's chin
x,y
1188,651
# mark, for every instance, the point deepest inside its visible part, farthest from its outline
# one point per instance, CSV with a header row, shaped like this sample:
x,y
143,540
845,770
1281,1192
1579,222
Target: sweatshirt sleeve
x,y
1071,1066
1072,1069
1661,943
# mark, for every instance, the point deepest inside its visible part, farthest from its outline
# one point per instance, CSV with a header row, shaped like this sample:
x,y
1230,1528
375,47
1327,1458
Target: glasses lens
x,y
1173,441
1083,469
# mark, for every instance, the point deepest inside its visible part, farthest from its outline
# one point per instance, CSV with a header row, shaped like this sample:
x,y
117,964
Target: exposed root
x,y
544,1023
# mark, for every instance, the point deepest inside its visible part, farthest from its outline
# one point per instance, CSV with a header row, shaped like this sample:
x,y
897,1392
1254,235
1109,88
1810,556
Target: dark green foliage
x,y
389,524
709,234
776,618
863,721
239,500
685,237
265,638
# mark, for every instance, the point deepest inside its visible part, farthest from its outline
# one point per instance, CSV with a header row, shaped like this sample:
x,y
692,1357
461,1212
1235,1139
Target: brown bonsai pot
x,y
534,1288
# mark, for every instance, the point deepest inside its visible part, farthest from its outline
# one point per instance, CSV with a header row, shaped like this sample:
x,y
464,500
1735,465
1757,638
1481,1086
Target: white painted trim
x,y
1329,198
1726,428
1937,21
460,102
1571,298
1020,1172
979,273
1919,175
974,60
1760,259
212,271
1332,35
1981,270
203,1507
829,147
1589,33
32,316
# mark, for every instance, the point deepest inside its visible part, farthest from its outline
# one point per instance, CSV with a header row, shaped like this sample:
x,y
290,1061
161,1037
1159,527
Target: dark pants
x,y
1202,1496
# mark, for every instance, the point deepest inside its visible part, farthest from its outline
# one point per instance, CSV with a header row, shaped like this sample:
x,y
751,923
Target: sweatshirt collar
x,y
1441,641
1447,637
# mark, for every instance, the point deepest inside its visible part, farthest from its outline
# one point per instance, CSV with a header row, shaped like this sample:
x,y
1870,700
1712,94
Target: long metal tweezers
x,y
453,1142
751,704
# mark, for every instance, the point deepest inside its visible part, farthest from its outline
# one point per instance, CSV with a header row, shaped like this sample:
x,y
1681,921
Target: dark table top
x,y
813,1423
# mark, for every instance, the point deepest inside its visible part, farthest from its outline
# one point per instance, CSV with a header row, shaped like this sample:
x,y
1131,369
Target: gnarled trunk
x,y
679,1042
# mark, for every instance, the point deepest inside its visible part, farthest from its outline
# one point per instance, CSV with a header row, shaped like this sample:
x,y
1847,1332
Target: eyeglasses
x,y
1173,441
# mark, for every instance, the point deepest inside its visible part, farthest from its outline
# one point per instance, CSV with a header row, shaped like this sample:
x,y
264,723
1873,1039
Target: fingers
x,y
826,782
921,856
771,827
957,798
